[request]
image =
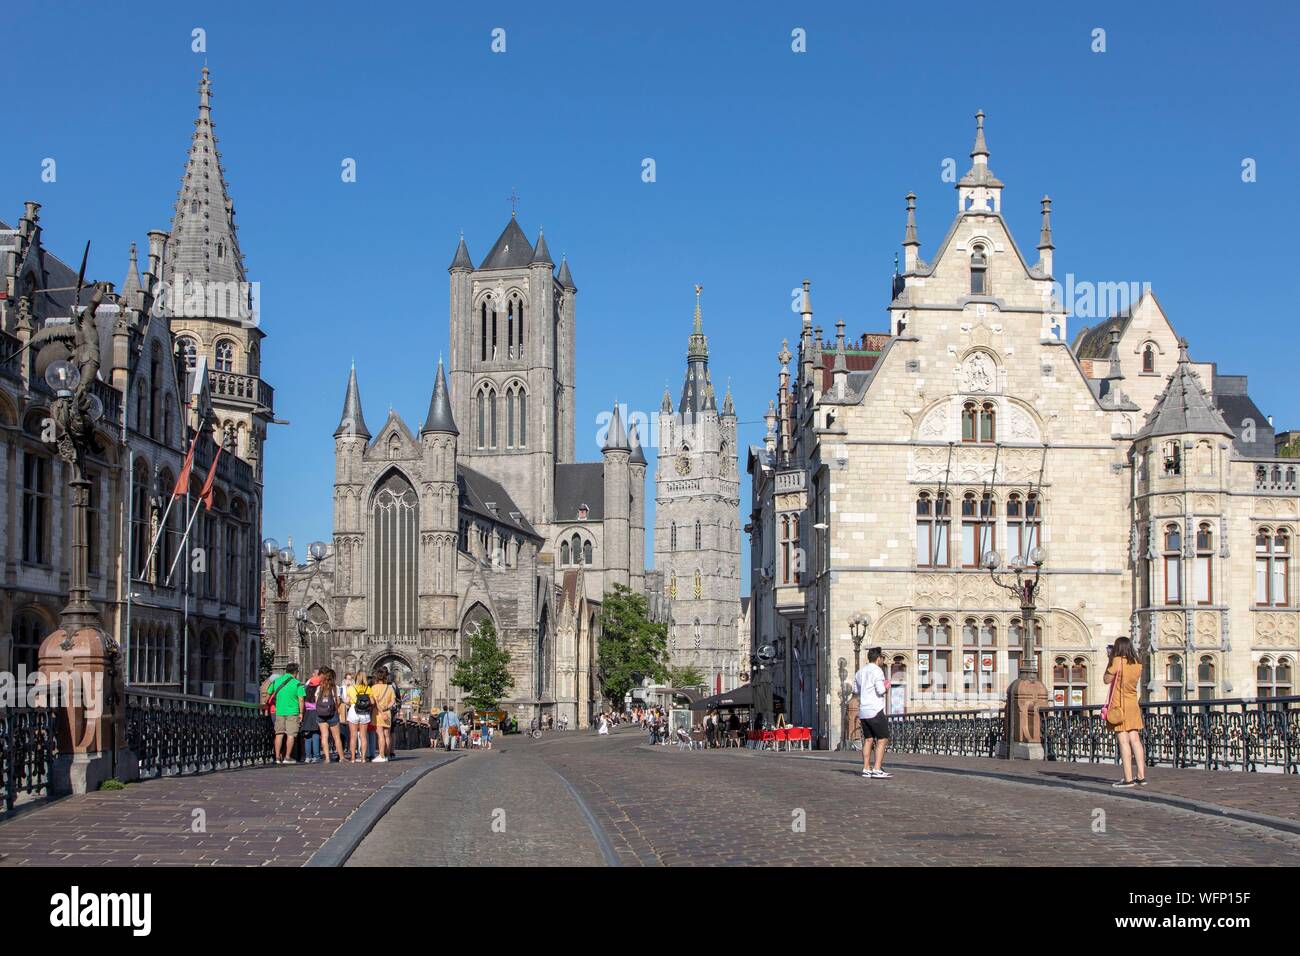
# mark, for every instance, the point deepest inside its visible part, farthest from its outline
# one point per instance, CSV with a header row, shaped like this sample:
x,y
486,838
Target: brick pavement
x,y
262,816
664,806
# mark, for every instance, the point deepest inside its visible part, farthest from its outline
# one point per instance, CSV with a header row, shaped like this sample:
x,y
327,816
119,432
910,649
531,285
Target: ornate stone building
x,y
161,382
894,462
697,526
482,513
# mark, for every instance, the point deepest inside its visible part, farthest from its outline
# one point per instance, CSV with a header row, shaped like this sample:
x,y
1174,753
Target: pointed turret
x,y
352,423
1184,407
728,405
461,262
616,437
565,278
1045,245
541,254
439,418
840,370
204,246
911,244
638,456
666,406
131,284
695,386
979,190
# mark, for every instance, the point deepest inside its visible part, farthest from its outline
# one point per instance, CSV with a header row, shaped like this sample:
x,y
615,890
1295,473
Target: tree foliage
x,y
485,674
686,676
632,647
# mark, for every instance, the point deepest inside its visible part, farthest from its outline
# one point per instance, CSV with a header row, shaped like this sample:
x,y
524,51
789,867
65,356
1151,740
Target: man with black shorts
x,y
869,685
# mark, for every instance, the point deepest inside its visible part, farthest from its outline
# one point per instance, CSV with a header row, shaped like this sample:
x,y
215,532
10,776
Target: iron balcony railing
x,y
1234,734
174,734
30,743
955,733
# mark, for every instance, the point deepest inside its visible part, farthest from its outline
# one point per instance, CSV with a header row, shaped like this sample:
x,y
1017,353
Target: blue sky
x,y
771,167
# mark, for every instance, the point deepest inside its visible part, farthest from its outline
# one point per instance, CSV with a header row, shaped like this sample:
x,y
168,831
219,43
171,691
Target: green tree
x,y
485,674
267,662
632,646
688,676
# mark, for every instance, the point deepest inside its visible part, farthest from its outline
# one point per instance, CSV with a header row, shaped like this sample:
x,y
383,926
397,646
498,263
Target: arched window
x,y
672,537
586,553
1173,560
1069,682
1273,678
1203,573
699,584
979,422
1206,682
483,329
790,555
933,654
37,502
977,528
394,516
896,692
515,327
697,634
978,269
1174,677
564,552
933,516
672,585
29,631
979,655
699,535
1149,358
516,416
486,407
140,520
221,251
575,547
155,390
188,350
1173,458
1273,567
1024,520
225,356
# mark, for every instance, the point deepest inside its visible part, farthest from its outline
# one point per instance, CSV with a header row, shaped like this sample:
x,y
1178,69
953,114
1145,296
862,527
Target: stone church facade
x,y
697,526
481,512
893,462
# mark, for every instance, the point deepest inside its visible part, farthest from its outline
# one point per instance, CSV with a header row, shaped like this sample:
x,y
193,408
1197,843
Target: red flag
x,y
207,493
183,482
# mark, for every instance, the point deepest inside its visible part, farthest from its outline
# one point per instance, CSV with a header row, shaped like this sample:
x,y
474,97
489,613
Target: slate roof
x,y
565,278
1184,406
1240,412
352,422
439,418
1093,342
461,260
512,250
579,483
478,490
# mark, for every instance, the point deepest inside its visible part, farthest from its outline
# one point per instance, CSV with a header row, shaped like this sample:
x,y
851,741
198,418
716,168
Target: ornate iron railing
x,y
1235,734
30,742
410,735
174,734
958,733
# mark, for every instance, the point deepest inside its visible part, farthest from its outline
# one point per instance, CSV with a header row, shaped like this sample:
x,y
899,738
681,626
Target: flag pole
x,y
183,545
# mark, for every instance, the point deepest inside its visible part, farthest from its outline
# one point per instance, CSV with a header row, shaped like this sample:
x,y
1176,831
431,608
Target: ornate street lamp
x,y
1026,694
278,562
859,624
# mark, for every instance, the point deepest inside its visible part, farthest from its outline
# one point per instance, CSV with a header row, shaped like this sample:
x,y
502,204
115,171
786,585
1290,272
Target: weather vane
x,y
514,202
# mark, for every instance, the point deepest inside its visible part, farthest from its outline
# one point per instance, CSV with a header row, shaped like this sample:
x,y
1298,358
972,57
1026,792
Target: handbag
x,y
1113,712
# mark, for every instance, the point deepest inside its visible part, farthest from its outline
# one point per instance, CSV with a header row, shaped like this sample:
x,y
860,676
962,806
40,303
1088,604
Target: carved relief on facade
x,y
979,373
929,464
1207,626
1169,629
1171,505
934,590
1021,425
1069,630
979,590
890,631
936,423
1275,507
1276,629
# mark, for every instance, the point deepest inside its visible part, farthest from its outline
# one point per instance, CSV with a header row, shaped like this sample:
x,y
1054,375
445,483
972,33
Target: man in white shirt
x,y
869,685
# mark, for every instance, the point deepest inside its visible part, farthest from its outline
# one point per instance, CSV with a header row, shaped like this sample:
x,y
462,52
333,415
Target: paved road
x,y
663,806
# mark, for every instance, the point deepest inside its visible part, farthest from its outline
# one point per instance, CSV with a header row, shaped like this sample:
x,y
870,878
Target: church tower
x,y
512,366
439,518
697,527
212,306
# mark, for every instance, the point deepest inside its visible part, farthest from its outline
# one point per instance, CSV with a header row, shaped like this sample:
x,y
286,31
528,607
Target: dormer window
x,y
978,268
583,511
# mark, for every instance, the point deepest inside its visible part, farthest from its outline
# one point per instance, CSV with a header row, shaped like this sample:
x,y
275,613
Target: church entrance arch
x,y
402,676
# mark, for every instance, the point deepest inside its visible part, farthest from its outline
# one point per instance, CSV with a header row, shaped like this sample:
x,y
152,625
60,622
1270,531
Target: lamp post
x,y
317,551
278,562
858,626
1026,694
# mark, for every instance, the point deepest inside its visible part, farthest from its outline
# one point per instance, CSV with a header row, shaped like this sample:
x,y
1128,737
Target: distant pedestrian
x,y
1123,713
382,698
328,705
287,693
359,707
310,726
869,685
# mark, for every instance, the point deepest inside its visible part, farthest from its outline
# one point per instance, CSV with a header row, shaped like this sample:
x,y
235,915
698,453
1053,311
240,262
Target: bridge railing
x,y
28,746
955,733
174,734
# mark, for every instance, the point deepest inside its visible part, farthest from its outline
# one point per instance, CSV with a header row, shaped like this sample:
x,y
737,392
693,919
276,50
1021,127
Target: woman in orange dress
x,y
1125,676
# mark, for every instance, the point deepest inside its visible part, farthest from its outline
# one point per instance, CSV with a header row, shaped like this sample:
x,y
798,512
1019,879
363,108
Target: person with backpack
x,y
359,709
327,714
382,697
285,699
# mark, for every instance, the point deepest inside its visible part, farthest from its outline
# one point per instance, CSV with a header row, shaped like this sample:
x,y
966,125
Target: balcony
x,y
1277,475
247,389
794,480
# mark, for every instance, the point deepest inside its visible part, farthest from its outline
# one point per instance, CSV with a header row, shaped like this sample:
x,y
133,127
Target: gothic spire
x,y
352,423
565,278
1184,407
131,284
909,231
542,254
638,456
616,437
728,405
979,190
1045,234
204,243
694,388
439,418
980,148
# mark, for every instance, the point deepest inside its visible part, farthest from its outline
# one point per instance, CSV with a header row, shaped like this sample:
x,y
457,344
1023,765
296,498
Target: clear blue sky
x,y
771,167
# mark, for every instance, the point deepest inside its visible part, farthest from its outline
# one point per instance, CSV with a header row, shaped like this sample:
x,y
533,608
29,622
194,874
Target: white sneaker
x,y
868,774
380,759
881,775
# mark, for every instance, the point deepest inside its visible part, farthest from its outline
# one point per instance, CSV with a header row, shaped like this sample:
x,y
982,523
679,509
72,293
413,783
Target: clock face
x,y
683,464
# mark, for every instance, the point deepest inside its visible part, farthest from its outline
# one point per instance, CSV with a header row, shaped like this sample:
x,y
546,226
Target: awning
x,y
742,696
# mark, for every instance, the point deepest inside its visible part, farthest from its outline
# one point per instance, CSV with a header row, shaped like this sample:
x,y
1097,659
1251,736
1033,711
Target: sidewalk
x,y
1272,799
259,816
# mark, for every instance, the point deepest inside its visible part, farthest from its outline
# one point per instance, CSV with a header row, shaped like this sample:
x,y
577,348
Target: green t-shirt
x,y
288,692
